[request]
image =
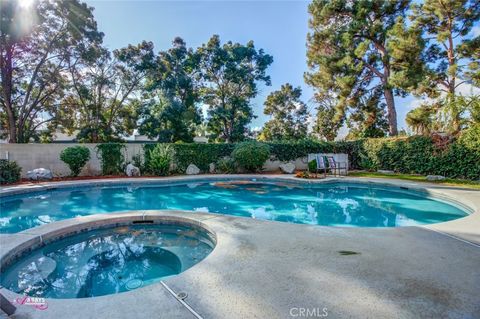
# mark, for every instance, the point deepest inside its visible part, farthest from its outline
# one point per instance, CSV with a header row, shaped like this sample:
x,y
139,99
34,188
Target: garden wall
x,y
31,156
455,158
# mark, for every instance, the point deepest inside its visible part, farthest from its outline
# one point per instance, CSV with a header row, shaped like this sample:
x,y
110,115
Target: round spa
x,y
108,260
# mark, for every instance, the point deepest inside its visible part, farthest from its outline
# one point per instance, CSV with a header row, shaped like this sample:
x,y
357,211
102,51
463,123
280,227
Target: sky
x,y
278,27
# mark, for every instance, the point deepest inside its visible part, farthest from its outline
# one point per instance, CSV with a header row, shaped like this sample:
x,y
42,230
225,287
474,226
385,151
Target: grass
x,y
419,178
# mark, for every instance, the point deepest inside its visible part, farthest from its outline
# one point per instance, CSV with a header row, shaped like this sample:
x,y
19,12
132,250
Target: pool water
x,y
339,204
107,261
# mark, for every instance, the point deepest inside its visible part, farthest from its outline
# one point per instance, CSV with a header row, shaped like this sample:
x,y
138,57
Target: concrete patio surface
x,y
267,269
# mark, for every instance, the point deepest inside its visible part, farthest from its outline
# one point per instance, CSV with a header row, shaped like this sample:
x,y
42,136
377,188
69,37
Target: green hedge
x,y
199,154
418,154
421,155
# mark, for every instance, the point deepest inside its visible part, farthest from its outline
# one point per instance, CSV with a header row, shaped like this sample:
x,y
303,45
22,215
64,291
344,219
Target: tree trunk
x,y
6,66
391,112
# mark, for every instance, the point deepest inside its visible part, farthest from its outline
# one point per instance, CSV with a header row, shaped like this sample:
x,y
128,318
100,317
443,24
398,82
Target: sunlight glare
x,y
25,3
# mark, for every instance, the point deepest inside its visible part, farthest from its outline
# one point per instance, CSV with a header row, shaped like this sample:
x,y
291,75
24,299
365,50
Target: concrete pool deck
x,y
267,269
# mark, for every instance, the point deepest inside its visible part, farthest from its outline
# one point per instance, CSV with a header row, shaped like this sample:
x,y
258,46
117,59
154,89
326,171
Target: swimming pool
x,y
328,204
107,261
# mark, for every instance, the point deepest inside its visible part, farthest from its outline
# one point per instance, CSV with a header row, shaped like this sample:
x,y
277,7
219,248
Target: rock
x,y
433,178
40,174
132,170
288,168
211,168
192,169
384,171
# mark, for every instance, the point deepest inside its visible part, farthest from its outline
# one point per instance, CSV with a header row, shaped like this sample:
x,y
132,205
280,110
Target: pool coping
x,y
465,228
231,235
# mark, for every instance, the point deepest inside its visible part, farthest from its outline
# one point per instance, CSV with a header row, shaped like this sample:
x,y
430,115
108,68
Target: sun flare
x,y
25,3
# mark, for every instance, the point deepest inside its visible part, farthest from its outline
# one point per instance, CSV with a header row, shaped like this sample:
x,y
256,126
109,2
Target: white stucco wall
x,y
31,156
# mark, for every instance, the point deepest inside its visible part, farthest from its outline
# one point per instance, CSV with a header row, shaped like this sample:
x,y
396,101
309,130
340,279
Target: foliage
x,y
172,114
34,61
111,157
9,171
327,121
160,159
451,56
226,165
420,155
230,74
421,119
368,119
75,157
289,113
103,92
251,155
192,153
138,160
358,46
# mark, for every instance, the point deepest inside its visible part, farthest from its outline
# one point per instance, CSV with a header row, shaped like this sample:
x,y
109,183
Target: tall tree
x,y
105,91
36,43
368,117
172,113
289,114
327,124
452,56
357,46
231,73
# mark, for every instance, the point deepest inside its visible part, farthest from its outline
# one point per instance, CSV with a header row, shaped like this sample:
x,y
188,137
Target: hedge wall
x,y
458,158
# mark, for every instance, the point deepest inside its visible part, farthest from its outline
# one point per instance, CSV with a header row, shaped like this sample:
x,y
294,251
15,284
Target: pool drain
x,y
134,284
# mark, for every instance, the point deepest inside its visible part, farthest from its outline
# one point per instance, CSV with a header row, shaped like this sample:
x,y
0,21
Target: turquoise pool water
x,y
339,204
107,261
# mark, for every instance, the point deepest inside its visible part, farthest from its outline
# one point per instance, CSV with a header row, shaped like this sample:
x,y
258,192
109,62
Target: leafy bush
x,y
111,157
138,161
312,165
420,155
192,153
75,157
160,159
226,165
251,155
9,171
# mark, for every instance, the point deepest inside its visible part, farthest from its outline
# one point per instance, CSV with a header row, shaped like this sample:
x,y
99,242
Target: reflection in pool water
x,y
107,261
339,204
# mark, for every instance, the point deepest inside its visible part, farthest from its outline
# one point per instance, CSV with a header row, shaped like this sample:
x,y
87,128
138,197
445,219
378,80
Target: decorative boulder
x,y
433,178
132,170
40,174
288,168
192,169
211,168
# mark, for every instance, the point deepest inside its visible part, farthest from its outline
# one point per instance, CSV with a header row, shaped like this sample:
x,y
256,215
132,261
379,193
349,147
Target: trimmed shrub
x,y
75,157
111,157
192,153
251,155
420,155
9,171
160,159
